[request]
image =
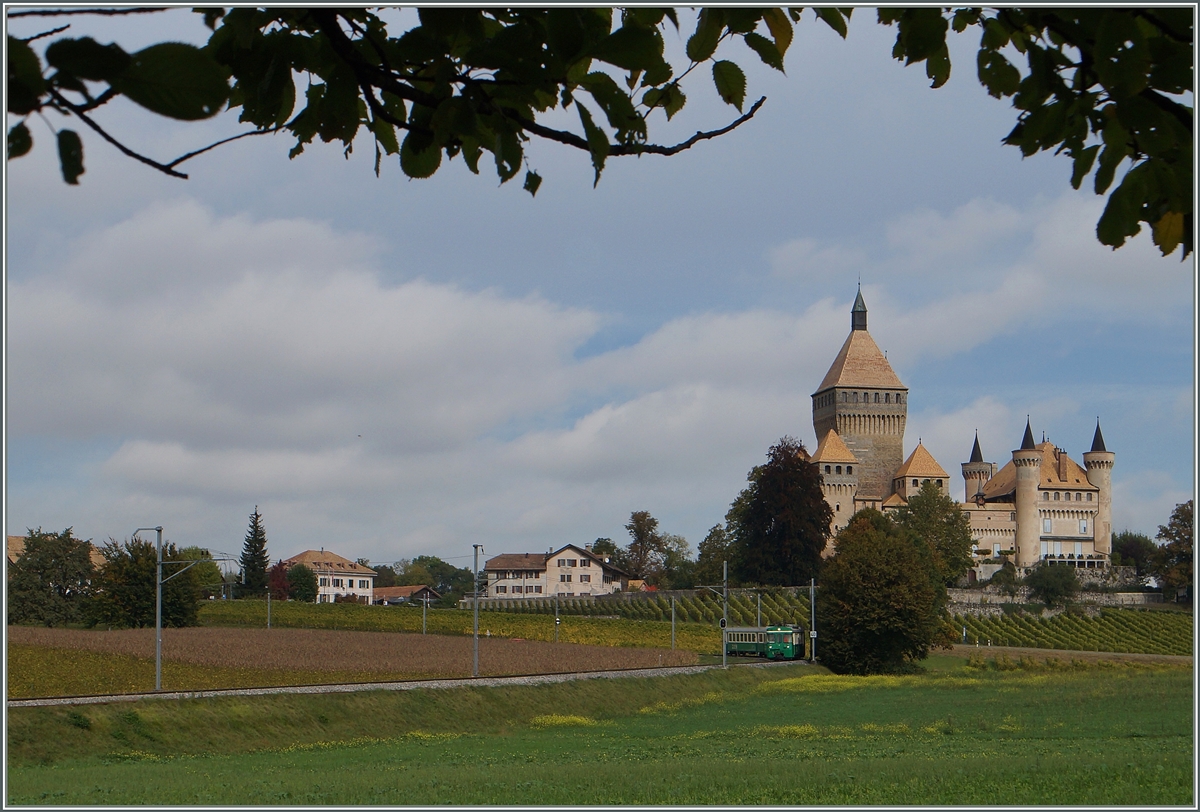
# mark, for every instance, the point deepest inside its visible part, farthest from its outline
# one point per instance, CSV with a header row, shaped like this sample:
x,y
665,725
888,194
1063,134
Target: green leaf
x,y
419,164
70,155
1168,232
834,19
997,74
88,59
597,141
176,80
669,98
1120,218
385,134
532,181
937,66
730,82
19,140
1083,164
781,29
631,48
25,82
508,153
766,50
703,41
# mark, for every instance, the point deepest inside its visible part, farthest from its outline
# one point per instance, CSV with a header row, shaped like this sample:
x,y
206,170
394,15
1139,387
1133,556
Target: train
x,y
773,642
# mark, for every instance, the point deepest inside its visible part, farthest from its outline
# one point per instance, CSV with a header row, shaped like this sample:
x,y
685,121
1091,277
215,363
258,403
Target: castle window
x,y
828,469
1046,495
839,469
939,483
1056,494
1046,526
876,397
1079,549
887,397
1012,517
837,508
1079,497
1082,526
915,483
849,469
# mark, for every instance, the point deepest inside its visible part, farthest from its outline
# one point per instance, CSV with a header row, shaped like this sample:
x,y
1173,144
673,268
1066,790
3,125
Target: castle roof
x,y
894,501
833,449
1056,471
1027,441
976,452
860,363
1098,439
920,463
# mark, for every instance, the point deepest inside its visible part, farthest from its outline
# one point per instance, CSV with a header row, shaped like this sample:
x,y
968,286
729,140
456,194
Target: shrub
x,y
1053,585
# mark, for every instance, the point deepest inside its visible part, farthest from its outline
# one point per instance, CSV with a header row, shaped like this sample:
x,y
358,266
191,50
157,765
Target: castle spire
x,y
1098,439
858,313
1027,440
976,453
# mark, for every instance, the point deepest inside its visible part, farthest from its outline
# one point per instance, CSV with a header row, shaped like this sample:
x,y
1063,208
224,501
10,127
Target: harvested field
x,y
402,656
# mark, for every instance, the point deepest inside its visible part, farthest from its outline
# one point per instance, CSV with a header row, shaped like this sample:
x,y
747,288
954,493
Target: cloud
x,y
805,258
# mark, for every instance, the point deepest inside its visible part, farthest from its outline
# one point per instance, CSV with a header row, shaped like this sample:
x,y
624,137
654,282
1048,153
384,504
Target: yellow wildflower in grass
x,y
899,728
1009,724
671,707
559,720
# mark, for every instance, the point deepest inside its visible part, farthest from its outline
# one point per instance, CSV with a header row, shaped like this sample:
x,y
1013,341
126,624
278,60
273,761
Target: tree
x,y
643,556
678,570
1052,584
1133,550
384,575
713,552
278,585
1172,562
451,582
207,575
780,522
51,580
254,559
1005,579
302,584
124,589
1104,85
937,520
881,599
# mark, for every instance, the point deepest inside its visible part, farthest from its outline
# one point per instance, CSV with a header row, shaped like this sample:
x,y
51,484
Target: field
x,y
573,629
1120,630
745,609
965,733
65,662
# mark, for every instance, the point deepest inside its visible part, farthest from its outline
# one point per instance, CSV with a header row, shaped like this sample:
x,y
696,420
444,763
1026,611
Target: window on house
x,y
1012,517
939,483
1089,497
585,579
362,584
562,562
887,397
337,581
996,548
500,589
1079,549
838,507
1045,549
572,562
876,397
1082,526
537,590
1058,548
324,582
1046,525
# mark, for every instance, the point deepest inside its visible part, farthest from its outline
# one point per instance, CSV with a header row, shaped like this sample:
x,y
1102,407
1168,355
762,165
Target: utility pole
x,y
424,609
724,612
812,615
672,623
475,583
760,610
556,621
268,606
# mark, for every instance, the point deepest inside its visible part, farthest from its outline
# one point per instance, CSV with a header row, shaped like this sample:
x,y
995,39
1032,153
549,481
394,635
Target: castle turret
x,y
1099,462
976,472
1028,462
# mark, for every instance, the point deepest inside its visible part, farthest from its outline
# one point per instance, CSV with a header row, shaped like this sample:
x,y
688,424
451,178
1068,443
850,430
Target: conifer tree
x,y
254,558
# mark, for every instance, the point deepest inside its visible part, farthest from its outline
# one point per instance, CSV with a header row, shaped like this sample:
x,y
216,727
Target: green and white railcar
x,y
772,642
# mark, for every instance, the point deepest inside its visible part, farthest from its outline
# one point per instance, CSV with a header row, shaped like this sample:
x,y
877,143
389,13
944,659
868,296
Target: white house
x,y
337,576
570,571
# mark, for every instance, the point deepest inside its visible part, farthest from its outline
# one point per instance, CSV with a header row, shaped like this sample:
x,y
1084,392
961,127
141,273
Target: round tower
x,y
1099,462
1028,461
976,472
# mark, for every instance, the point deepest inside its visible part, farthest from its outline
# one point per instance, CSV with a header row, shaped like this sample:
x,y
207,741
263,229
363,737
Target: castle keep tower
x,y
864,402
1099,462
1028,462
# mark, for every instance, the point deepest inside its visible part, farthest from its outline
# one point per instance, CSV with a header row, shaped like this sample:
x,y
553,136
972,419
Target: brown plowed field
x,y
324,650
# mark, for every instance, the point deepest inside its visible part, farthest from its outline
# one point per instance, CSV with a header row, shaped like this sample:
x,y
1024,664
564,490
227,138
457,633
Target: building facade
x,y
570,572
1040,506
337,577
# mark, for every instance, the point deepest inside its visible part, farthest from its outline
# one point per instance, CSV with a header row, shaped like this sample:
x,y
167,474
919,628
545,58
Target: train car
x,y
772,642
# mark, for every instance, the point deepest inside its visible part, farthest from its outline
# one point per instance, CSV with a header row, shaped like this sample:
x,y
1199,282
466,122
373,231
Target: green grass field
x,y
1089,735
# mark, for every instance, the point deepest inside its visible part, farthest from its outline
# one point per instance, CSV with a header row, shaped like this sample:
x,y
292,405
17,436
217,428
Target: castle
x,y
1041,505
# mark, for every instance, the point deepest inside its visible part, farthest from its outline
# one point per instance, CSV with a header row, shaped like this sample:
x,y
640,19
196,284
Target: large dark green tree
x,y
1053,584
254,559
1110,87
302,584
713,552
51,580
1172,562
881,599
937,520
124,589
644,555
780,523
1132,549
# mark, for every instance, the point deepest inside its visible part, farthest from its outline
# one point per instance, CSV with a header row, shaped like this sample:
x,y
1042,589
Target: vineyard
x,y
1117,630
745,608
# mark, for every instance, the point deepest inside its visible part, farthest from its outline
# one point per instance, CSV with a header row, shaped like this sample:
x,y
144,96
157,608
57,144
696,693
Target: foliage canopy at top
x,y
1107,86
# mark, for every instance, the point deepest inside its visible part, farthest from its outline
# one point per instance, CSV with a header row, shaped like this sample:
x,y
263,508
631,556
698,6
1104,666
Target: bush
x,y
1053,584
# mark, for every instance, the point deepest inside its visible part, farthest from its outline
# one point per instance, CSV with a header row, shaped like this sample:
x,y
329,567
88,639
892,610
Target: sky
x,y
389,367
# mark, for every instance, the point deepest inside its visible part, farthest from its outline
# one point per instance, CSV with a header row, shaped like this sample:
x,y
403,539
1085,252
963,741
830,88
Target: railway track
x,y
399,685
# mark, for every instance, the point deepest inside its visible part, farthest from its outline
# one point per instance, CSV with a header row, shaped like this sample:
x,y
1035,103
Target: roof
x,y
976,452
1073,476
895,500
1027,441
920,463
1098,439
860,363
325,561
517,561
385,592
16,548
833,449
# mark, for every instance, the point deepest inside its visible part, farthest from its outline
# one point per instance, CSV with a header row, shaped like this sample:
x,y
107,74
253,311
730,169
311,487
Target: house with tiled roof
x,y
1041,506
337,577
404,595
570,571
16,548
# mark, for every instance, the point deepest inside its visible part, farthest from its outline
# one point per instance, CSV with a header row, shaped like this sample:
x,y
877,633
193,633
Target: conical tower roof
x,y
1098,439
860,363
833,449
920,463
976,452
1027,441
